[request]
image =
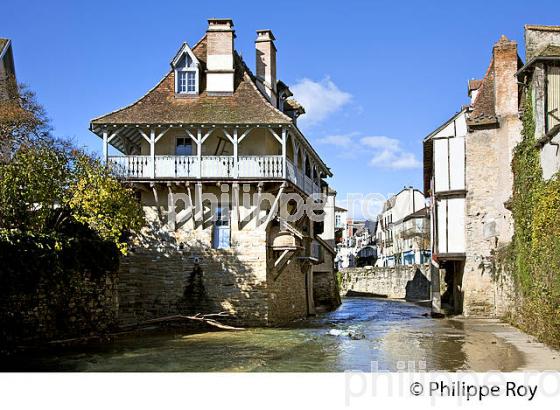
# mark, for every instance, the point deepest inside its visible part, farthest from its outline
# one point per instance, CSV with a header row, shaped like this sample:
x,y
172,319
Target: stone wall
x,y
489,181
325,290
87,306
408,282
171,272
49,296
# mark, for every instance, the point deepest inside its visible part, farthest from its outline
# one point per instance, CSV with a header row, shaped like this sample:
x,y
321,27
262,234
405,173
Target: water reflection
x,y
390,333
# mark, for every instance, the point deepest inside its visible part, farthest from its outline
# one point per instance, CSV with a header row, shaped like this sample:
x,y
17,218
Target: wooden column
x,y
235,216
284,163
153,151
235,154
199,150
105,147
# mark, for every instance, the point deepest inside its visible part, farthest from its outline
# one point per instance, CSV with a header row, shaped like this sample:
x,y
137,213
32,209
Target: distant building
x,y
402,229
356,244
7,67
340,219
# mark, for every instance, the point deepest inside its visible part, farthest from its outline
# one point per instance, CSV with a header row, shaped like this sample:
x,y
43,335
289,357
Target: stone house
x,y
401,230
467,171
494,129
224,176
542,74
355,246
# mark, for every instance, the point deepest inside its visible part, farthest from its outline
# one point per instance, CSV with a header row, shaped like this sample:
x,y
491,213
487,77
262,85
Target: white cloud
x,y
320,99
339,140
384,152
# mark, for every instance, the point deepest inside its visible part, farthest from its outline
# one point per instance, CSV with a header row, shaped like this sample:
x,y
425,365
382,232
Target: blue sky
x,y
375,77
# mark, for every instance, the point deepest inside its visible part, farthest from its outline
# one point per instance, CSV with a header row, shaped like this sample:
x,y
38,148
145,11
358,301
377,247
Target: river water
x,y
388,334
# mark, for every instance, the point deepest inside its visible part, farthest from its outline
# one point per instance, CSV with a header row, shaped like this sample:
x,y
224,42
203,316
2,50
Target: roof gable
x,y
484,106
161,105
185,49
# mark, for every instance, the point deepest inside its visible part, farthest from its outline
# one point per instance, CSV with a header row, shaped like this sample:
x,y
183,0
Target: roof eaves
x,y
5,45
445,124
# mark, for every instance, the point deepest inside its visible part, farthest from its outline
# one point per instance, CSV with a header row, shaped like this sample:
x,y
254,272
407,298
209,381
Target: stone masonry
x,y
179,272
408,282
489,150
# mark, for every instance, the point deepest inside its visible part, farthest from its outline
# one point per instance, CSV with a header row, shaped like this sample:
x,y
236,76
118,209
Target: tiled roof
x,y
160,105
541,28
544,53
483,108
550,50
292,105
3,42
474,85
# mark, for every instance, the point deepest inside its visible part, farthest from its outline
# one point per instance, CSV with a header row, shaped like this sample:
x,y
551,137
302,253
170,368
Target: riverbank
x,y
536,356
393,335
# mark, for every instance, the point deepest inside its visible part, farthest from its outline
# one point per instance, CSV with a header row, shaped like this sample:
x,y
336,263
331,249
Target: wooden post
x,y
199,151
235,216
235,154
191,206
199,205
170,207
258,204
106,147
284,141
153,151
274,206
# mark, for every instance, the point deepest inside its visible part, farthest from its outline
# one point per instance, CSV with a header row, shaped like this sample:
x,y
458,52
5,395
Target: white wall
x,y
449,167
450,214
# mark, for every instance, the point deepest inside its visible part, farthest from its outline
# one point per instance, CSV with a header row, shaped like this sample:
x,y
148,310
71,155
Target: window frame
x,y
187,139
221,223
548,111
187,68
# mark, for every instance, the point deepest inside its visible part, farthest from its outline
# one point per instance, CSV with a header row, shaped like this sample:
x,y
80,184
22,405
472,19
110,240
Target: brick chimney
x,y
505,82
219,56
266,63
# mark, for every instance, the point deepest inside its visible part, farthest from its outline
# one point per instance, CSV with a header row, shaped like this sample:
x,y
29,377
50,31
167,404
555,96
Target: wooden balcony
x,y
143,168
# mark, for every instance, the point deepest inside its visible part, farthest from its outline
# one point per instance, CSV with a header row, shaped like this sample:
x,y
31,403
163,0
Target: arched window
x,y
187,76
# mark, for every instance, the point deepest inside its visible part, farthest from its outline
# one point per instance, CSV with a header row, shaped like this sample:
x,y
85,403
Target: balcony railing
x,y
141,167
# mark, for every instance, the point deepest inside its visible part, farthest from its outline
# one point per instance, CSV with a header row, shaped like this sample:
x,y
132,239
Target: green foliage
x,y
31,186
339,279
535,251
99,201
45,188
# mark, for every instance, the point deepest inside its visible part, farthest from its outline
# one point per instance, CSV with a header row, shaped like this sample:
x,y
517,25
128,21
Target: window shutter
x,y
553,96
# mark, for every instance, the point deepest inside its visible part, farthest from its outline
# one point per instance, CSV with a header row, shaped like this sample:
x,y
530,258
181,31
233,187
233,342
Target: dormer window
x,y
186,72
186,82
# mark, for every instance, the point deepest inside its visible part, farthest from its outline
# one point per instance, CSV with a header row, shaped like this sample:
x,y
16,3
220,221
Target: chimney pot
x,y
505,66
266,64
219,56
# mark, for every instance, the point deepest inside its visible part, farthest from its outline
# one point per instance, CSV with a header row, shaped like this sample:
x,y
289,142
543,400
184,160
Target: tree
x,y
47,185
22,120
98,200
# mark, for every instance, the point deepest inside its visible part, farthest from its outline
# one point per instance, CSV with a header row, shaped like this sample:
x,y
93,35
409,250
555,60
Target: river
x,y
391,335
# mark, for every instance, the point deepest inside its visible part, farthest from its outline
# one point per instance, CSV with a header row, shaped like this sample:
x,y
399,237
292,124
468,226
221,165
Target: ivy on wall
x,y
534,254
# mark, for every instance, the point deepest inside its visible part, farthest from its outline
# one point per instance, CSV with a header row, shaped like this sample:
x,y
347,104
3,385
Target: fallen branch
x,y
198,317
